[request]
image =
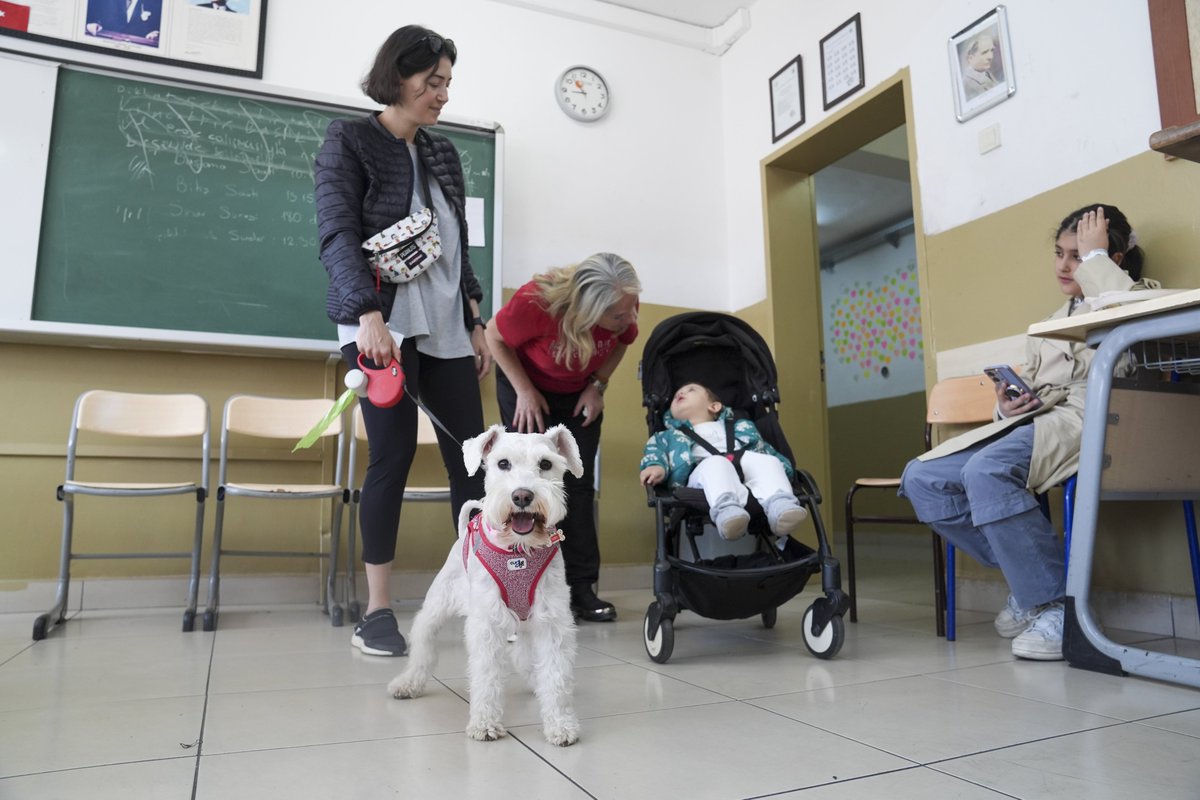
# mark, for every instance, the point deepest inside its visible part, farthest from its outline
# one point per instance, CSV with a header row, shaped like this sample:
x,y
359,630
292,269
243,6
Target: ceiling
x,y
705,13
865,193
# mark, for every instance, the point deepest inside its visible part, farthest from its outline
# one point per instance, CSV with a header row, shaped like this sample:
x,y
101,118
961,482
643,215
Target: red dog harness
x,y
517,574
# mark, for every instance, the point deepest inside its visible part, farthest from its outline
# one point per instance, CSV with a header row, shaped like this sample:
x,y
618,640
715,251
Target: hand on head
x,y
1092,231
528,417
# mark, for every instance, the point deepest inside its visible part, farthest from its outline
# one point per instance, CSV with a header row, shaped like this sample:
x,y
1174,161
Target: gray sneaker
x,y
378,634
731,521
784,513
1013,620
1042,640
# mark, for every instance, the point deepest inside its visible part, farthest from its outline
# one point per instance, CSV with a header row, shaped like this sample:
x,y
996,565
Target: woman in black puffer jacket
x,y
370,173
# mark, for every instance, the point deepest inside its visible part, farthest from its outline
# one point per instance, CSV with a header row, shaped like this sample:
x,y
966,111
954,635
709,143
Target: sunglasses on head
x,y
437,44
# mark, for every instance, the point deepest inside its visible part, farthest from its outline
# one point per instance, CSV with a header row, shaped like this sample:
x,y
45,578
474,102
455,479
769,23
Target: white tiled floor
x,y
276,704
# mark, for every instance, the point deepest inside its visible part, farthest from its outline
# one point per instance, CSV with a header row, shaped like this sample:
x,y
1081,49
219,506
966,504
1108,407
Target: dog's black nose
x,y
522,498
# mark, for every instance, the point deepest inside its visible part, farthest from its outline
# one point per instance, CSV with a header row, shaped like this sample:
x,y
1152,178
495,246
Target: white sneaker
x,y
1013,620
1042,641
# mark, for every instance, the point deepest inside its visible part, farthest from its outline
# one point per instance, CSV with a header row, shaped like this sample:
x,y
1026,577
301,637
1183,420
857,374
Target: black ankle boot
x,y
589,608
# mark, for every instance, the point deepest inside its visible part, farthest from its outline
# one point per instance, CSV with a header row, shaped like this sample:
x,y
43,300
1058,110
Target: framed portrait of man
x,y
981,66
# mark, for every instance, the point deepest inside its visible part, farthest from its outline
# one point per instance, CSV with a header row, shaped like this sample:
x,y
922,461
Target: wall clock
x,y
582,94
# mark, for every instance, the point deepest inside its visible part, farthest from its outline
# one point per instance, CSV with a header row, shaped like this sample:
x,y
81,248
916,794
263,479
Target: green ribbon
x,y
341,405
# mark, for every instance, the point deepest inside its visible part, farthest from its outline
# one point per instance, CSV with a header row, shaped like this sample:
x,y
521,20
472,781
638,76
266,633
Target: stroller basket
x,y
731,587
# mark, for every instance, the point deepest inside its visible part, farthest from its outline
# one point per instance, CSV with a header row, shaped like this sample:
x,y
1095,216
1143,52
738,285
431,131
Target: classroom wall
x,y
671,180
1065,121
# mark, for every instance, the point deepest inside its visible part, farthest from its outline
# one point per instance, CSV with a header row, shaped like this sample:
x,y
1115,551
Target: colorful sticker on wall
x,y
877,323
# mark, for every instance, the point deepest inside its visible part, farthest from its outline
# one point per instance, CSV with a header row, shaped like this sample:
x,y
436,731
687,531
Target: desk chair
x,y
426,436
288,420
132,416
968,400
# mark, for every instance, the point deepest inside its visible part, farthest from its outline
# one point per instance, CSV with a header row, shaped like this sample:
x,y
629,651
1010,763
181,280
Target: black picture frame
x,y
71,28
842,72
786,88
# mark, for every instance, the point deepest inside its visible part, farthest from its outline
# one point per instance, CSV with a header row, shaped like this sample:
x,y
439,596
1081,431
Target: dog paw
x,y
562,735
405,686
485,731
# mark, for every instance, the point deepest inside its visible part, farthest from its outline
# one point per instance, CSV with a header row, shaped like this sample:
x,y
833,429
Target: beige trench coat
x,y
1056,371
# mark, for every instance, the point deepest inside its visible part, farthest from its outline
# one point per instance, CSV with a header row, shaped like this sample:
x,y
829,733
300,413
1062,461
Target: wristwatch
x,y
600,385
478,322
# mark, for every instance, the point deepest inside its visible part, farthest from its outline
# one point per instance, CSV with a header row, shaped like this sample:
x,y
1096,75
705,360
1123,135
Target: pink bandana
x,y
517,574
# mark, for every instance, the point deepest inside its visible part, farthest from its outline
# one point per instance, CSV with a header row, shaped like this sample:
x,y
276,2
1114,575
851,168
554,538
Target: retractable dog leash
x,y
383,386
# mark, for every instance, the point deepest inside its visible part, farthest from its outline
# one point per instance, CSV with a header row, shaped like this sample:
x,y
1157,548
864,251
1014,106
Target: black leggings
x,y
450,389
580,548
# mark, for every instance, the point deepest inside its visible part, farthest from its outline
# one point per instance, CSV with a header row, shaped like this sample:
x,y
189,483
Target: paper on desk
x,y
476,235
1122,296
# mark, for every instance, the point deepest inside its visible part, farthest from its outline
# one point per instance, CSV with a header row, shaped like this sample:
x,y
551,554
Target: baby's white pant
x,y
716,475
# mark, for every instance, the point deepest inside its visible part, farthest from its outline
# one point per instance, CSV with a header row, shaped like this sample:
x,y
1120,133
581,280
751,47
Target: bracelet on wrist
x,y
600,384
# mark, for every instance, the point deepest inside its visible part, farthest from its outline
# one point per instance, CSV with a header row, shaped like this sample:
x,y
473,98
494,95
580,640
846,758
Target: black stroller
x,y
730,358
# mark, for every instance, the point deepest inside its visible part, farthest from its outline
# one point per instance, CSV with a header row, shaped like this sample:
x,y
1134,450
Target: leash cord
x,y
432,417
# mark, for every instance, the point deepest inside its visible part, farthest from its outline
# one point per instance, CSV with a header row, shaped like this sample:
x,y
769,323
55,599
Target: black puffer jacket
x,y
364,183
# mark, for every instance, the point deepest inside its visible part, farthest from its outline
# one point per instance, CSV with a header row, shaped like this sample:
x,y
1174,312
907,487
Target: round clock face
x,y
582,94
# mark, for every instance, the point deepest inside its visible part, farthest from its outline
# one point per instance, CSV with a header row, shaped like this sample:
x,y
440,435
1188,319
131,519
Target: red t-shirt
x,y
533,334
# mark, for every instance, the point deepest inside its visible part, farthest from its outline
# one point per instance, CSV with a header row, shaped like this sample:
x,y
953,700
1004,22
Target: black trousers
x,y
581,547
450,389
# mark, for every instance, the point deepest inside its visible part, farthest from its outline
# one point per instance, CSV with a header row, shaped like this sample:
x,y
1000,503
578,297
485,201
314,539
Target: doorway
x,y
793,248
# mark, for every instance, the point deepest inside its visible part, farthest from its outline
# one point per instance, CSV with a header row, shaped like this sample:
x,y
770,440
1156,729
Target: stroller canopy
x,y
715,350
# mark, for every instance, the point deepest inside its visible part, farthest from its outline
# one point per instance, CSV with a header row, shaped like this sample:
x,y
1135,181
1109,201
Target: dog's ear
x,y
475,450
564,442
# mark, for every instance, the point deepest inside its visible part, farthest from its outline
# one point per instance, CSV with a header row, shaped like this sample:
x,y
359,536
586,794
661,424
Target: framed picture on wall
x,y
216,35
787,99
842,62
981,66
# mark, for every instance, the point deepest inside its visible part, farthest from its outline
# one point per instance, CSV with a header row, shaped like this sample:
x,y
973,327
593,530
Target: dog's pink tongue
x,y
522,523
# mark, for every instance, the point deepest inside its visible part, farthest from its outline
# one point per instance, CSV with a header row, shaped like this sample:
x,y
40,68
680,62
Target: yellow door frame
x,y
793,262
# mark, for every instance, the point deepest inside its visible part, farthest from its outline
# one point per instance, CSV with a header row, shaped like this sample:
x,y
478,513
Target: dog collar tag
x,y
515,564
557,536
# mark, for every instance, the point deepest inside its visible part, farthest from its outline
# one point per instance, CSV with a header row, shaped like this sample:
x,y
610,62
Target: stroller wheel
x,y
829,641
659,646
768,618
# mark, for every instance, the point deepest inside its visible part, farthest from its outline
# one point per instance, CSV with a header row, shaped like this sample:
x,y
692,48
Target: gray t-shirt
x,y
429,307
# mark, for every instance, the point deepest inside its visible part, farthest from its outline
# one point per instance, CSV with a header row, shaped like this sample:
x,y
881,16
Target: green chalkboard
x,y
188,209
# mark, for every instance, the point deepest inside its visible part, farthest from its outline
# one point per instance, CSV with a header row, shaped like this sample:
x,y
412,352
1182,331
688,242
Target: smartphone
x,y
1014,387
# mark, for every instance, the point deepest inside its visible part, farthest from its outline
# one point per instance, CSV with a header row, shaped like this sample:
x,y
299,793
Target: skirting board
x,y
1164,615
36,597
1160,614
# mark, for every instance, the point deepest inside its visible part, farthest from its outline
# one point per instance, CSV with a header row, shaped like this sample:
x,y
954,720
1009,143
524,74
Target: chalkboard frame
x,y
16,322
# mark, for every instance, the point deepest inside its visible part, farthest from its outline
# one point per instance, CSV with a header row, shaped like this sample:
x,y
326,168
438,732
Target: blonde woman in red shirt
x,y
556,343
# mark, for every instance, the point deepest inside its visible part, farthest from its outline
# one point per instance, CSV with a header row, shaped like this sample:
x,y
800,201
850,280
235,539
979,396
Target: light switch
x,y
989,138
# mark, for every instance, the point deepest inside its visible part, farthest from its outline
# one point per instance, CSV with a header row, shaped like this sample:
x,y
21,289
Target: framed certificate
x,y
787,99
842,62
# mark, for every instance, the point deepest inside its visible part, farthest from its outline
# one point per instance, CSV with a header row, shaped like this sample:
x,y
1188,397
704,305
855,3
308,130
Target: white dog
x,y
506,576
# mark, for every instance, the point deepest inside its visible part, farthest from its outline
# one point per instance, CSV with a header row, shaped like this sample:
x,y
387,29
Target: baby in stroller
x,y
697,427
724,357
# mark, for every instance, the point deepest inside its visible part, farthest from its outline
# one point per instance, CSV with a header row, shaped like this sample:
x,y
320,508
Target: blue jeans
x,y
977,500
